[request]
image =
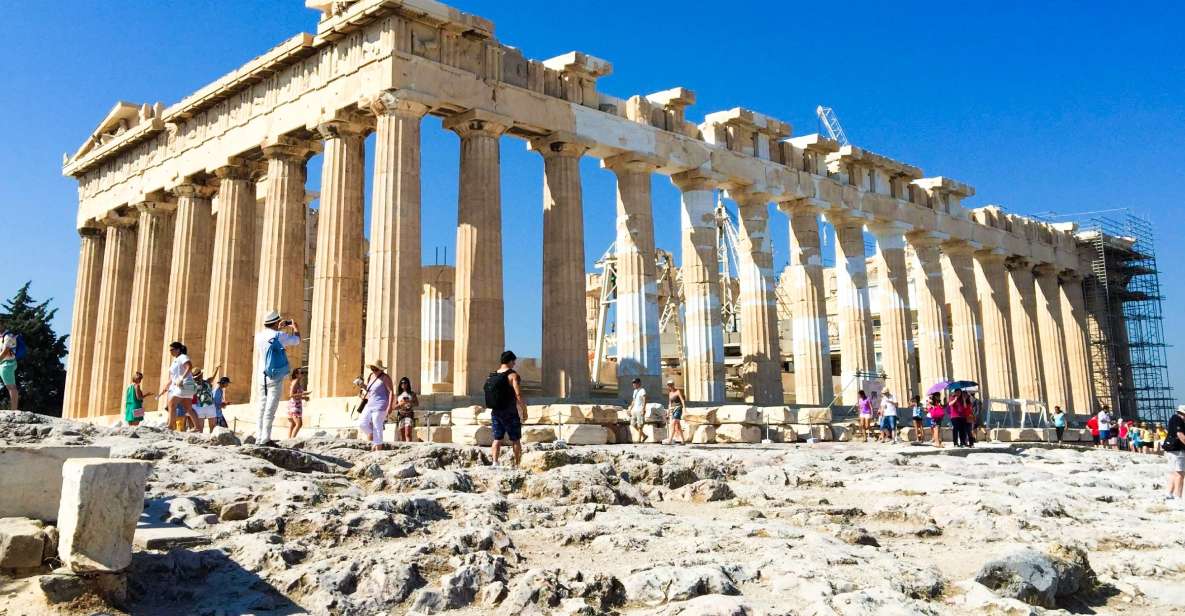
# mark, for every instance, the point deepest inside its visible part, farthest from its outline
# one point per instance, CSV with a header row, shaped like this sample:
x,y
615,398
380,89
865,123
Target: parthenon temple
x,y
194,222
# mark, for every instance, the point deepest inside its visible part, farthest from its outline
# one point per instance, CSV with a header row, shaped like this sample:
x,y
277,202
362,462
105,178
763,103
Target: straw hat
x,y
377,365
272,317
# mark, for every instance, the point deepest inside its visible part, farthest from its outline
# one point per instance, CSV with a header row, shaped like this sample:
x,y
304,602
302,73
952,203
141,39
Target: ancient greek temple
x,y
193,221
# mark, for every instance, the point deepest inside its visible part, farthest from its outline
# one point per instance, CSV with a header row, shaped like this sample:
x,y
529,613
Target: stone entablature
x,y
450,61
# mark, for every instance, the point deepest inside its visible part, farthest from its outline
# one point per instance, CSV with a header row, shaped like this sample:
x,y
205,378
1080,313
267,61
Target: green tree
x,y
40,376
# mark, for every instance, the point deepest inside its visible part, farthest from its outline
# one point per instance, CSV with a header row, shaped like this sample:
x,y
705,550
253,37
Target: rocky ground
x,y
327,527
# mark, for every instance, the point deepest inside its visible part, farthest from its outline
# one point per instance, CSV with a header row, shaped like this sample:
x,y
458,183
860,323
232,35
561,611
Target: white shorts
x,y
207,411
1176,460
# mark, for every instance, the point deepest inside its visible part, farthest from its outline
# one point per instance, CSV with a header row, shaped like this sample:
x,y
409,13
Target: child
x,y
919,415
203,401
133,407
220,401
296,399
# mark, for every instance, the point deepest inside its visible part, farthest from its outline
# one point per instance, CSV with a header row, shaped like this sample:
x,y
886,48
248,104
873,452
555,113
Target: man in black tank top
x,y
507,413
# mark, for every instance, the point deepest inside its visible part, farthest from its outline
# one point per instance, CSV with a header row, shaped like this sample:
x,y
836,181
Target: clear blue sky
x,y
1059,106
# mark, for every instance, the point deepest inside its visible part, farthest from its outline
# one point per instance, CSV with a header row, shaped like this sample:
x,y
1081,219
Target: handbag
x,y
365,399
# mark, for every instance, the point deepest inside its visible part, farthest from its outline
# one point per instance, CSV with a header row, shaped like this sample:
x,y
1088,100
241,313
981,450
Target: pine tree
x,y
40,376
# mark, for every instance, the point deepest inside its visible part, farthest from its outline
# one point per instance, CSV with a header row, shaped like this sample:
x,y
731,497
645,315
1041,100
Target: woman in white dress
x,y
181,388
405,403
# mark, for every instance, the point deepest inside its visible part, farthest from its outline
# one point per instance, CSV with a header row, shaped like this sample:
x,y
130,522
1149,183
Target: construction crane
x,y
831,123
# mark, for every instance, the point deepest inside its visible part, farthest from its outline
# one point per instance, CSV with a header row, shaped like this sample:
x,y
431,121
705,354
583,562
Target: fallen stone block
x,y
701,414
435,434
783,433
167,537
31,482
655,433
469,416
777,415
1002,435
22,543
738,433
101,502
585,434
481,436
540,414
814,415
737,413
702,434
841,433
1028,435
538,434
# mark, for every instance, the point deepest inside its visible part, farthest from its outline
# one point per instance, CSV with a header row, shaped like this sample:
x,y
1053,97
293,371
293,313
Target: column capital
x,y
1016,262
156,206
478,122
291,148
119,217
698,179
1069,276
926,239
888,227
561,144
748,196
991,255
960,247
342,127
194,190
91,232
839,216
810,205
402,103
630,162
1042,270
234,169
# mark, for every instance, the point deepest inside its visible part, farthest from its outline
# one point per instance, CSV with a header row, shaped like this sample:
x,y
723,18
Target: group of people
x,y
962,409
673,416
1110,432
194,400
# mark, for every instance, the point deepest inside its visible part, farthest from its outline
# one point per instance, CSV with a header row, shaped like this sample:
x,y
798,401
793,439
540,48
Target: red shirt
x,y
1093,424
961,409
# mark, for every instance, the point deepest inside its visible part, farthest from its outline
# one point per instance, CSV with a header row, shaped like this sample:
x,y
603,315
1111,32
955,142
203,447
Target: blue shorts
x,y
889,423
506,425
1104,435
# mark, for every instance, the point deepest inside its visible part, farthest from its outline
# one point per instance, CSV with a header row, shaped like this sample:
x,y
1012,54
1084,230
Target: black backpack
x,y
499,394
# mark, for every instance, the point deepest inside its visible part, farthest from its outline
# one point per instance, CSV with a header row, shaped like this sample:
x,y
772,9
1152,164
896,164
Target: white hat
x,y
271,317
1181,408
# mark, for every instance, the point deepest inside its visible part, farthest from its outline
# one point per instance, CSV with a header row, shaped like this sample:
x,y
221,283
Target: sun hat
x,y
378,365
272,317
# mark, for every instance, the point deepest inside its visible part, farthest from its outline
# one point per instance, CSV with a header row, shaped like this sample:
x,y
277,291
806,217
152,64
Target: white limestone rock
x,y
22,543
538,434
481,436
31,478
737,413
101,501
586,434
738,433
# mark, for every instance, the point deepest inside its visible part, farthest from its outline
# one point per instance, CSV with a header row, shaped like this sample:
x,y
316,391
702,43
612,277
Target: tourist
x,y
1162,435
1147,437
864,407
675,404
960,411
378,399
936,411
1104,428
504,398
1059,423
1121,435
203,400
133,401
918,412
405,406
976,422
1174,452
10,347
1092,424
638,409
220,401
1136,433
271,363
296,399
180,387
888,412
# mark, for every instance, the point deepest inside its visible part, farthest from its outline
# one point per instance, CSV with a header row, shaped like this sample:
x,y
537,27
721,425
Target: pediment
x,y
124,116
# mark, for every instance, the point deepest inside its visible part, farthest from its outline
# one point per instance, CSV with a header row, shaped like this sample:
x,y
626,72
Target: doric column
x,y
436,374
933,343
335,332
893,300
393,291
282,236
234,275
991,283
189,274
146,320
703,335
808,304
761,356
1026,341
1077,346
856,351
84,323
111,330
565,341
638,345
958,274
1052,336
480,328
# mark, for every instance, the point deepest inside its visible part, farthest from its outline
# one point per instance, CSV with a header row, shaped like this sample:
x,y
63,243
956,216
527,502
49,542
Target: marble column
x,y
703,334
234,276
480,327
437,316
189,275
761,355
1026,341
933,343
393,331
638,343
1051,332
893,299
1077,345
84,323
282,237
856,353
335,332
565,339
958,273
111,320
146,320
991,283
808,304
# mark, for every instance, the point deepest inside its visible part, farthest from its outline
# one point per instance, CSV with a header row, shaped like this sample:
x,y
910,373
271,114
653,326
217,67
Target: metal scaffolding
x,y
1125,317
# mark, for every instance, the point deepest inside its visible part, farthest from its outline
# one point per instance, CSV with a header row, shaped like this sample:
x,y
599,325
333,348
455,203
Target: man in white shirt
x,y
888,411
1104,428
638,410
271,384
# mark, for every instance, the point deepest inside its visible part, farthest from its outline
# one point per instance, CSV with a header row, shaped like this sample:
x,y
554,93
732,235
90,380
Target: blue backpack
x,y
21,350
275,362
